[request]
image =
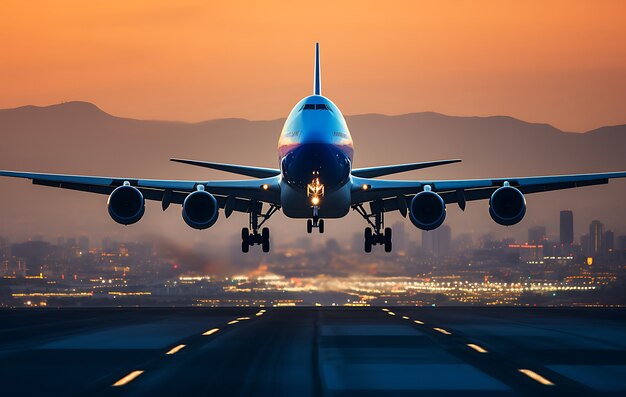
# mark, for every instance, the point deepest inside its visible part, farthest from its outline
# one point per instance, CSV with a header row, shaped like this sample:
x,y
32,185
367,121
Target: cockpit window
x,y
315,106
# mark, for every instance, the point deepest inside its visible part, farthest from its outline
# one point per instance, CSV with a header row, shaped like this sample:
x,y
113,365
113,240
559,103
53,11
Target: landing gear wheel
x,y
387,237
368,239
265,239
245,240
320,225
309,226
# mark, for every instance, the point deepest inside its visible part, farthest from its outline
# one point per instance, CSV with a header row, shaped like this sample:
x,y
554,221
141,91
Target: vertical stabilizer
x,y
317,83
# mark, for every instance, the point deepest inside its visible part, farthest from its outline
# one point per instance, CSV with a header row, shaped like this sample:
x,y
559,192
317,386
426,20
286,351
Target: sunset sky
x,y
557,62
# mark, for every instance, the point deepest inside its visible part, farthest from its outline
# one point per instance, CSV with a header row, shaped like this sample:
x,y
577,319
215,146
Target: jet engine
x,y
507,205
427,210
126,205
200,210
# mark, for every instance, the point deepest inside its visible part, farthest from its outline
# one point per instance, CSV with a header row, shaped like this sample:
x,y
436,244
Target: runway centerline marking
x,y
391,313
176,349
232,322
476,347
536,377
128,378
243,318
385,310
443,331
405,317
211,331
418,322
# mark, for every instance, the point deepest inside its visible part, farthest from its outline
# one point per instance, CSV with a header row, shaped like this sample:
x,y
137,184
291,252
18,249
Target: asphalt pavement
x,y
382,351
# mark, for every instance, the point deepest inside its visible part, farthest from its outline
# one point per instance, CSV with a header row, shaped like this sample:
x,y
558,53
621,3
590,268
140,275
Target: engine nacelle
x,y
427,210
126,205
507,205
200,210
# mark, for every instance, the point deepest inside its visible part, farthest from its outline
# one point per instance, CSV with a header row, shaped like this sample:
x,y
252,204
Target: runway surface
x,y
302,352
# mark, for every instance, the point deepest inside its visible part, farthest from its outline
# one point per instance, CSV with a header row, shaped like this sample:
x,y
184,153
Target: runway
x,y
393,351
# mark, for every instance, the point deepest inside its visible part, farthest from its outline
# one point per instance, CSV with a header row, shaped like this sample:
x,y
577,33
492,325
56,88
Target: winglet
x,y
317,83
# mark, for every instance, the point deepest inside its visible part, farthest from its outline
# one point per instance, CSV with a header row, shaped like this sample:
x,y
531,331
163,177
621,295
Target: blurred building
x,y
567,228
437,242
596,235
584,244
400,238
83,243
536,235
608,242
622,243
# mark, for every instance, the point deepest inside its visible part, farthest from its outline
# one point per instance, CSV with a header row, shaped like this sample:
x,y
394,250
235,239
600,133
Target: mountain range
x,y
80,138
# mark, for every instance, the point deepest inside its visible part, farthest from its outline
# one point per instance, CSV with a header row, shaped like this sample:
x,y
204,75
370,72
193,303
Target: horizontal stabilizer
x,y
373,172
255,172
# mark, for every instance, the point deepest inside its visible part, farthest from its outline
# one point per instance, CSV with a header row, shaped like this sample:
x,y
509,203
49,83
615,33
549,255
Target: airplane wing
x,y
373,172
240,193
387,192
256,172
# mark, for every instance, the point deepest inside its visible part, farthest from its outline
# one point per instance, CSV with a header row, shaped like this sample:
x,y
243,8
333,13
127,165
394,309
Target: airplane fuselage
x,y
315,147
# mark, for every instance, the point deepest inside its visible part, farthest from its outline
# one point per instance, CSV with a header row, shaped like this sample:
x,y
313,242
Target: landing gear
x,y
250,235
377,234
316,222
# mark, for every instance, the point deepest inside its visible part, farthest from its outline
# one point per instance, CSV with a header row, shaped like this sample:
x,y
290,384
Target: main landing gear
x,y
250,235
316,222
378,233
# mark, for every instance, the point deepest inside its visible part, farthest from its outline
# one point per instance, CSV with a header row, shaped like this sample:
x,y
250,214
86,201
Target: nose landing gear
x,y
378,233
316,222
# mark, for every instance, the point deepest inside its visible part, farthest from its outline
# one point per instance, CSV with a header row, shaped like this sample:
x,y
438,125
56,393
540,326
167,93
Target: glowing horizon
x,y
560,62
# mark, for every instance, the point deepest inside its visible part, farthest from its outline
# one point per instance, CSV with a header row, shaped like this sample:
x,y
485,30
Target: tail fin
x,y
317,83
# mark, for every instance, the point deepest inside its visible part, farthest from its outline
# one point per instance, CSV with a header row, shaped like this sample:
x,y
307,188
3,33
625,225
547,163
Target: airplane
x,y
315,182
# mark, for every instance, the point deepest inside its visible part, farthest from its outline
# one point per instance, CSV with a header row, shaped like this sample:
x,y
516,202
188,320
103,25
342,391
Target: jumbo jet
x,y
315,181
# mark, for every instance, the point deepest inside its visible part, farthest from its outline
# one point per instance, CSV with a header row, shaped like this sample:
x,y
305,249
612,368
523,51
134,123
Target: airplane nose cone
x,y
323,161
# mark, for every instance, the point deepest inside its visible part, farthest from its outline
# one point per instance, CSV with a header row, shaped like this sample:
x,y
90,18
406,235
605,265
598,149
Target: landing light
x,y
265,186
365,187
315,200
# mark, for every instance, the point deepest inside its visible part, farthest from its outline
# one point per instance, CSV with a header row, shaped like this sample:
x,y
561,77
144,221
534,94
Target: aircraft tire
x,y
265,239
388,244
368,239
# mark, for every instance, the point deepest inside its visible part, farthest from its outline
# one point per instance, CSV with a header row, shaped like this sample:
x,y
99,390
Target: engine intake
x,y
126,205
507,205
200,210
428,210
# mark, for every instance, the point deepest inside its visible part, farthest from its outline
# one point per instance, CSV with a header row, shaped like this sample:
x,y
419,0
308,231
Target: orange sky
x,y
560,62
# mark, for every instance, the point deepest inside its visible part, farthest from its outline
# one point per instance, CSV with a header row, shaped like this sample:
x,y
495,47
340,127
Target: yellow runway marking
x,y
443,331
536,377
232,322
128,378
418,322
175,349
211,331
477,348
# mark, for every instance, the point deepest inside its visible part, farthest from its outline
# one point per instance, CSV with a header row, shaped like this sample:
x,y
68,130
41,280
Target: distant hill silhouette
x,y
78,137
